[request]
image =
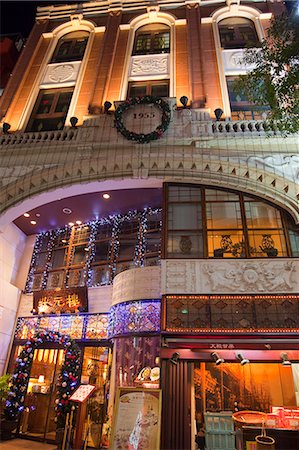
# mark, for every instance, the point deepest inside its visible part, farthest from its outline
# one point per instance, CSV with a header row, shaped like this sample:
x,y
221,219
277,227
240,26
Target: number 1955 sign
x,y
142,119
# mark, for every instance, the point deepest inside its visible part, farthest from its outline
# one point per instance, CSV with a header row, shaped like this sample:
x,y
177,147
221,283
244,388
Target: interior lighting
x,y
71,224
33,222
218,360
26,215
37,215
41,379
242,360
175,358
78,222
285,360
67,211
106,196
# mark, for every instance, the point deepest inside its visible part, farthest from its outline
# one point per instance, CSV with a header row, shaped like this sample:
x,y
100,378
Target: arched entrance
x,y
47,396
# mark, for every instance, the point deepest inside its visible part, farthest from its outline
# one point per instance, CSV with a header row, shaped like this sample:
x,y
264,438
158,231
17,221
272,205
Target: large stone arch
x,y
145,169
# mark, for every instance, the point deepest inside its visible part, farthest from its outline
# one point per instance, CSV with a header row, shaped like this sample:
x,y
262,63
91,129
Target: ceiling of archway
x,y
88,207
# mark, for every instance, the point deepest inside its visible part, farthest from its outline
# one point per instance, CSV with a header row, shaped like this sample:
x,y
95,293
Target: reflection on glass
x,y
38,417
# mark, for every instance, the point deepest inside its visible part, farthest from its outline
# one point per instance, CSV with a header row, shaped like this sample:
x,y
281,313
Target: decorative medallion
x,y
61,73
185,245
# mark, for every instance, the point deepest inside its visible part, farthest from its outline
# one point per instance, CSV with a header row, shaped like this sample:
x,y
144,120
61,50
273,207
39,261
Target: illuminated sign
x,y
60,301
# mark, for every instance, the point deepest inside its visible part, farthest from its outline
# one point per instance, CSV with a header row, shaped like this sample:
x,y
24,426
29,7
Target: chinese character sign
x,y
62,301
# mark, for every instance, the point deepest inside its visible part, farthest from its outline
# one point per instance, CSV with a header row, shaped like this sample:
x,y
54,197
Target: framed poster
x,y
137,419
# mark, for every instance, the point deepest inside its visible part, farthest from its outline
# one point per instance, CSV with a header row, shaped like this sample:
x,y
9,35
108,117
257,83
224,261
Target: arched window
x,y
71,47
213,223
237,32
152,39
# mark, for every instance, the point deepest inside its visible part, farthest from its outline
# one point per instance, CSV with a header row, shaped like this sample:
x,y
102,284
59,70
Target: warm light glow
x,y
71,224
26,215
41,379
33,222
106,196
78,222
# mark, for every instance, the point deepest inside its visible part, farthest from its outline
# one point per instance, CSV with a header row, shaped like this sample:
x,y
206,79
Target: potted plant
x,y
6,426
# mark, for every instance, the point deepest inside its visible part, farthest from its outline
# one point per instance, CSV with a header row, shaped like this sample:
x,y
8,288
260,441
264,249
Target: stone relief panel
x,y
234,277
137,284
233,62
149,66
60,73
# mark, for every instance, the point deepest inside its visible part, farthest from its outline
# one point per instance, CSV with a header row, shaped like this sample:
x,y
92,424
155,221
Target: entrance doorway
x,y
38,417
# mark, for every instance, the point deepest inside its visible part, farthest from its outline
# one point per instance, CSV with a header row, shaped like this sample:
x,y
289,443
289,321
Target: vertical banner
x,y
137,419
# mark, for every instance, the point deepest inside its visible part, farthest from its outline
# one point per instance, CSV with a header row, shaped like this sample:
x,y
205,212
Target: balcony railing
x,y
232,313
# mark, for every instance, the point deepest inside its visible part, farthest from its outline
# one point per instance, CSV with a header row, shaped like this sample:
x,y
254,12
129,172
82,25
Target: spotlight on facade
x,y
74,121
5,127
242,360
107,106
285,359
175,358
218,360
184,101
218,113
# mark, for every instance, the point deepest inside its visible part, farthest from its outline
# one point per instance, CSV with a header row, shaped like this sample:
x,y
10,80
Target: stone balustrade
x,y
187,126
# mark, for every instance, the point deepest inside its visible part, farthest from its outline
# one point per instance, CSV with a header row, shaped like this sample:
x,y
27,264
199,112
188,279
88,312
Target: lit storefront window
x,y
204,222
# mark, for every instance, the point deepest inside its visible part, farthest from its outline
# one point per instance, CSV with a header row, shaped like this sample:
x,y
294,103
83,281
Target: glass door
x,y
37,419
95,371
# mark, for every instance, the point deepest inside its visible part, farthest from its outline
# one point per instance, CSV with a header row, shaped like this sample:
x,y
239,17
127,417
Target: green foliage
x,y
275,80
4,386
142,138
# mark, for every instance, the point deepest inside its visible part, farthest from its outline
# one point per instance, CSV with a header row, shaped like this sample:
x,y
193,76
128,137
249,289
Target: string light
x,y
115,221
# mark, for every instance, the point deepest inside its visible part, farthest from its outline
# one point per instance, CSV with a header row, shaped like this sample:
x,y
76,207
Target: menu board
x,y
137,417
82,393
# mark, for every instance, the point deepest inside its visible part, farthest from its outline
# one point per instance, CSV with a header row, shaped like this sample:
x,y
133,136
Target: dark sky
x,y
18,17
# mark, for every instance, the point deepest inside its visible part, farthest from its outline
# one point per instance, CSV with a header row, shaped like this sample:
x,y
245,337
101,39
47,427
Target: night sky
x,y
18,17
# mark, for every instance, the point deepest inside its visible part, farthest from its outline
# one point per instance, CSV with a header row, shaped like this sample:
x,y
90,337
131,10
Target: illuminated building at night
x,y
148,224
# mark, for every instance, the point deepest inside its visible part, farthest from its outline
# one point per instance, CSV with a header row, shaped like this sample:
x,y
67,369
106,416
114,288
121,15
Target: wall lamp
x,y
218,113
74,121
184,101
285,359
107,106
242,360
175,358
5,127
218,360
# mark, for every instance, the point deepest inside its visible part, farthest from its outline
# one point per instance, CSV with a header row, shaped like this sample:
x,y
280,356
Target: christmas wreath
x,y
142,138
67,380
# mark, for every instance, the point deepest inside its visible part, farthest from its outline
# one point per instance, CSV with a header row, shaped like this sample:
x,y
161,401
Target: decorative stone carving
x,y
233,62
61,73
204,277
149,65
136,284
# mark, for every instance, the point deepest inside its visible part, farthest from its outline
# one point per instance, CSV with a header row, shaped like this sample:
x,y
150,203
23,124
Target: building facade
x,y
149,216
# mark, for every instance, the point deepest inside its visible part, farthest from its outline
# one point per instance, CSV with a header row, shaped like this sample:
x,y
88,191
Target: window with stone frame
x,y
237,32
152,39
71,47
50,110
157,88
